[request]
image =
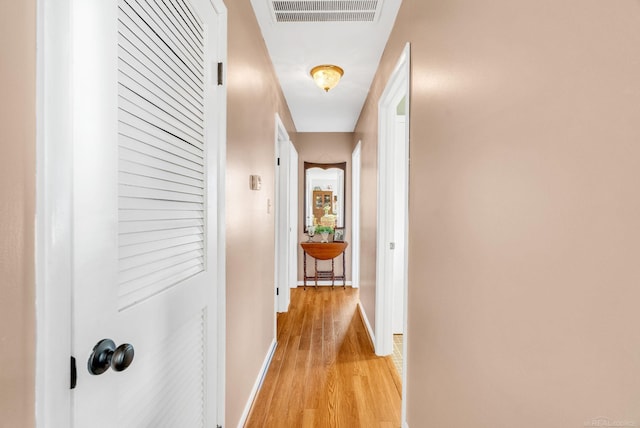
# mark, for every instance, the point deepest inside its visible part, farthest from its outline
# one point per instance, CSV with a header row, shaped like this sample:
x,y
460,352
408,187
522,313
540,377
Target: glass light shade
x,y
326,76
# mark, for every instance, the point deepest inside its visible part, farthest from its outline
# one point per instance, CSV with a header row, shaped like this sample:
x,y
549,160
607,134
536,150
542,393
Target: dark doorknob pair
x,y
105,355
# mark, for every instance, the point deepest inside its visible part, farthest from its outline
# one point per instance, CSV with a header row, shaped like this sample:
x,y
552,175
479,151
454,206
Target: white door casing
x,y
293,216
144,252
400,194
355,210
285,217
397,88
388,175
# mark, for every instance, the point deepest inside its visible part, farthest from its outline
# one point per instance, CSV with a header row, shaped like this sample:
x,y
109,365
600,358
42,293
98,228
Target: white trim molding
x,y
367,324
397,89
258,383
53,236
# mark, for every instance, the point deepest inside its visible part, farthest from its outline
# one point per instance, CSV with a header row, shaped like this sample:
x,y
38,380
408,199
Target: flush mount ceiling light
x,y
326,76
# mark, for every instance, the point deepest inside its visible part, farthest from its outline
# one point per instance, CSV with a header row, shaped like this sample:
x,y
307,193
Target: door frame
x,y
397,86
286,217
54,208
293,215
356,168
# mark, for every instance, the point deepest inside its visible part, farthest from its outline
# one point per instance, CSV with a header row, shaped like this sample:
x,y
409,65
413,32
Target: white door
x,y
293,216
393,167
286,217
399,223
355,210
146,138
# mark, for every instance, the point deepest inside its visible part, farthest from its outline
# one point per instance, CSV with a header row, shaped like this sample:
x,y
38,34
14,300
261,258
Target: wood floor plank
x,y
324,372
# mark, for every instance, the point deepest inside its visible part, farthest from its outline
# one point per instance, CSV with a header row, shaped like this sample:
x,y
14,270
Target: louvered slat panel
x,y
166,382
139,129
183,413
165,253
144,215
149,92
150,204
150,268
161,190
165,164
157,278
132,24
159,83
163,195
179,39
149,247
154,183
156,150
139,291
141,107
162,21
157,235
133,167
175,147
141,58
149,225
190,21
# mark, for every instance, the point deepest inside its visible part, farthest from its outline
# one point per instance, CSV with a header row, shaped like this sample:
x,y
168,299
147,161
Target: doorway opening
x,y
393,216
286,215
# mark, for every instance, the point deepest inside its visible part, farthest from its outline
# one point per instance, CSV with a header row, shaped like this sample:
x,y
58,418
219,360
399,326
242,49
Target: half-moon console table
x,y
324,251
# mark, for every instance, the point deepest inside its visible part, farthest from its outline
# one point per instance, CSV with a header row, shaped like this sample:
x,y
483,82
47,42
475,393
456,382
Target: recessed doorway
x,y
393,214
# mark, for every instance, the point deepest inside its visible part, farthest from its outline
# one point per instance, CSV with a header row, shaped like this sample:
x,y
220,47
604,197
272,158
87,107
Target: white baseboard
x,y
405,424
322,283
258,383
367,324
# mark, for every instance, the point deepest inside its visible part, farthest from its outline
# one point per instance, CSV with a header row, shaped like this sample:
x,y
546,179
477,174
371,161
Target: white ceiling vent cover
x,y
325,10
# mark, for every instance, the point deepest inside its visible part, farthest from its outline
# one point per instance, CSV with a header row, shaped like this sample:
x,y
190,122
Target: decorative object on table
x,y
324,231
311,231
338,234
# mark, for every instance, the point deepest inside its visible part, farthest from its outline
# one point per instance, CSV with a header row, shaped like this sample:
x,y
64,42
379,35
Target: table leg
x,y
344,272
333,274
304,271
316,272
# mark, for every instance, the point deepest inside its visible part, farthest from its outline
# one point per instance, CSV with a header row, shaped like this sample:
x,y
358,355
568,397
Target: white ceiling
x,y
296,47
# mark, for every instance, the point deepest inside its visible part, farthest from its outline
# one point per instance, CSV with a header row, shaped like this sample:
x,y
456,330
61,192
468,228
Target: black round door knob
x,y
105,355
122,357
100,359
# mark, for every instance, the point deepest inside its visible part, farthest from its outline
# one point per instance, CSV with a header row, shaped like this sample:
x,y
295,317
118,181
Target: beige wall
x,y
366,131
254,97
524,238
17,196
324,147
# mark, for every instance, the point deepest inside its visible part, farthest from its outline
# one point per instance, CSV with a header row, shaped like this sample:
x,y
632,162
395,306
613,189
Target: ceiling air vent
x,y
326,10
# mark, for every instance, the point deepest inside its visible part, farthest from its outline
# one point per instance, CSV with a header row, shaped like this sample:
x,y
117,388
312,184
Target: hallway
x,y
324,372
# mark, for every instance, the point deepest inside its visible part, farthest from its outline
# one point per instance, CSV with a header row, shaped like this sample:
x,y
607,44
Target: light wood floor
x,y
324,372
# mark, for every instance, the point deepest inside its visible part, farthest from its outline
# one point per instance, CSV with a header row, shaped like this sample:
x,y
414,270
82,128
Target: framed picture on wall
x,y
338,234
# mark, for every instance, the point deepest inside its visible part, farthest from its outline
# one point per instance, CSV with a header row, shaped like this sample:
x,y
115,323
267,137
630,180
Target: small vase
x,y
311,230
325,236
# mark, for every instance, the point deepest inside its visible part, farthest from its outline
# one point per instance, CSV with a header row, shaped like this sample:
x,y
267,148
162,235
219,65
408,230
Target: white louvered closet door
x,y
146,136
